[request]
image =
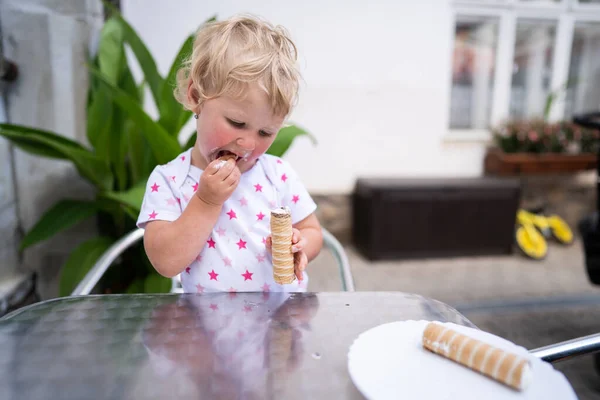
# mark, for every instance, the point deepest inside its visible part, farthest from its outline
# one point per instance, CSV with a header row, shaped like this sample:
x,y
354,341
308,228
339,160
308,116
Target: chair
x,y
97,271
552,353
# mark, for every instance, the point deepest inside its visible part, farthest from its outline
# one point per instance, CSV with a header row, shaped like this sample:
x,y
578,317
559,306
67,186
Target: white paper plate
x,y
389,362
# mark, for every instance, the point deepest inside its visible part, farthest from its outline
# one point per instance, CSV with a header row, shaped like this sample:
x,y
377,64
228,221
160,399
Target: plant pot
x,y
499,163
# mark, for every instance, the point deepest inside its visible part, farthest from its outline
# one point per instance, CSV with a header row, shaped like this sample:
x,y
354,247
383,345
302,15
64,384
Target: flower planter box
x,y
500,163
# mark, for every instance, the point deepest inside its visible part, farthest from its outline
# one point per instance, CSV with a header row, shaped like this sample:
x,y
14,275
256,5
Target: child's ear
x,y
193,97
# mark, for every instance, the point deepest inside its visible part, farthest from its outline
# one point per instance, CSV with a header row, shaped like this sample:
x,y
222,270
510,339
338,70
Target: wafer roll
x,y
228,156
281,235
224,159
508,368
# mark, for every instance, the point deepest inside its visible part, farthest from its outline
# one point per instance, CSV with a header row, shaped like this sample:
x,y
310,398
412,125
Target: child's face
x,y
245,127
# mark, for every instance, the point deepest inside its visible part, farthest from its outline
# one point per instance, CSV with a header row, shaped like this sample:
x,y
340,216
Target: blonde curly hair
x,y
228,55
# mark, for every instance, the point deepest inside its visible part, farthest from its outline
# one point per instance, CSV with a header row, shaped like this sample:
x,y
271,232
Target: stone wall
x,y
49,42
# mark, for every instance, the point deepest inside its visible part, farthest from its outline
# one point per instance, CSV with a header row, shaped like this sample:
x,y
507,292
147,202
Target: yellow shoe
x,y
539,221
560,229
531,242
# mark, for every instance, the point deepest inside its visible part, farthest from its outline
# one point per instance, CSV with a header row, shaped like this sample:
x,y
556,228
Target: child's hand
x,y
300,257
218,181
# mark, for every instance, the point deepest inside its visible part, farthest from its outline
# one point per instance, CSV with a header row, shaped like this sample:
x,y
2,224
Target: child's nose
x,y
246,143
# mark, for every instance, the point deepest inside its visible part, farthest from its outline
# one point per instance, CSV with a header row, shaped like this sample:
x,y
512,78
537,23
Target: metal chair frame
x,y
88,283
553,353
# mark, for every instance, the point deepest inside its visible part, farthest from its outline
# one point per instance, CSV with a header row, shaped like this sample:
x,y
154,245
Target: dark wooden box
x,y
429,218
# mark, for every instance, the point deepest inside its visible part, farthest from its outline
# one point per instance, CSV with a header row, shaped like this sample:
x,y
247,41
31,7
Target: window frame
x,y
565,14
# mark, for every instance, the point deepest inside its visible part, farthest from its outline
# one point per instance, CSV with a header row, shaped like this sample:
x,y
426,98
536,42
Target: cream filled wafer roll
x,y
281,249
511,369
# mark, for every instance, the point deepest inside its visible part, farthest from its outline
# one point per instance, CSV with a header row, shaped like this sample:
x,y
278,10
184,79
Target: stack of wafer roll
x,y
503,366
281,249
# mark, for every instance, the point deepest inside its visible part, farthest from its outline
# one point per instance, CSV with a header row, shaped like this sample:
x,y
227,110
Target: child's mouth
x,y
228,154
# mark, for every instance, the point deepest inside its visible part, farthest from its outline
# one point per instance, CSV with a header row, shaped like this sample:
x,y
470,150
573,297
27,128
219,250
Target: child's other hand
x,y
300,257
218,181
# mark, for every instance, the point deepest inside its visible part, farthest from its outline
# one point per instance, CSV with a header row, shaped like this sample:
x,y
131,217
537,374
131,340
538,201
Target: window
x,y
511,56
532,68
583,84
473,72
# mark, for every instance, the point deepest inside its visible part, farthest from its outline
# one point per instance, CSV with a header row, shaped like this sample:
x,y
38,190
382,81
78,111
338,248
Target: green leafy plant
x,y
125,145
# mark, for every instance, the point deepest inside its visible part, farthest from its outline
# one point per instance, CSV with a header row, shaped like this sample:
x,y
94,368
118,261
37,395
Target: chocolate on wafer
x,y
511,369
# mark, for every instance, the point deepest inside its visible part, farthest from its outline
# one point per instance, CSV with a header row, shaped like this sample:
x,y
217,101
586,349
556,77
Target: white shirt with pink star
x,y
234,257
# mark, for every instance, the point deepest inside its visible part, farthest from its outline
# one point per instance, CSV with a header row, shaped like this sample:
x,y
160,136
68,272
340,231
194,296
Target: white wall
x,y
377,82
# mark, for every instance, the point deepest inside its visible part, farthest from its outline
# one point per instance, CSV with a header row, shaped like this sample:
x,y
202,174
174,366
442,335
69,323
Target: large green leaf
x,y
156,283
37,149
131,198
191,141
284,139
172,114
88,164
137,147
137,286
60,217
25,131
145,59
80,261
111,54
164,147
111,61
170,110
99,120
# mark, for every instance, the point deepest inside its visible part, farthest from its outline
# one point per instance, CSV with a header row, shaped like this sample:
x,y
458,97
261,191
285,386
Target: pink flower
x,y
533,136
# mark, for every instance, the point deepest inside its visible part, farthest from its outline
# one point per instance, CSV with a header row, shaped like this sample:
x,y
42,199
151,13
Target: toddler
x,y
208,219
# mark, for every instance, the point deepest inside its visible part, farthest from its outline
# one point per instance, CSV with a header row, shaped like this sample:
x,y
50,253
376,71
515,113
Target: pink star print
x,y
221,231
258,187
260,216
213,275
214,307
153,214
211,243
295,199
155,187
195,186
260,257
264,240
232,214
227,261
199,288
187,270
247,309
279,162
182,158
232,290
173,178
243,202
284,177
199,258
247,276
171,202
266,287
241,244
